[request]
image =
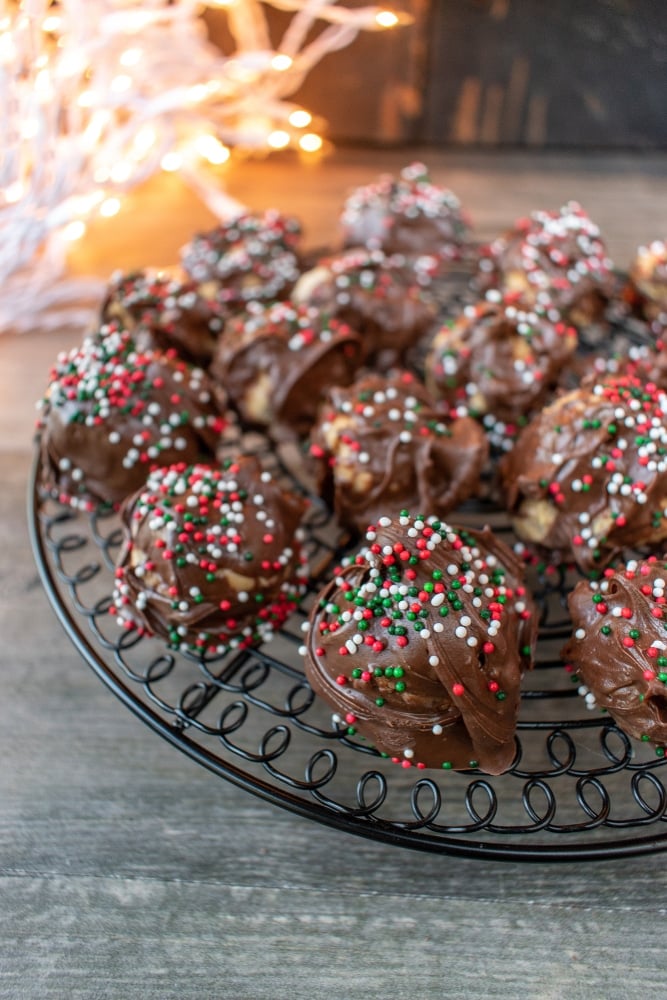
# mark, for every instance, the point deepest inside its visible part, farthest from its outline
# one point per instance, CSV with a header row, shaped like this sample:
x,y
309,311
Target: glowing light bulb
x,y
13,192
110,207
310,142
74,230
121,172
121,83
144,140
278,139
281,62
130,57
171,162
211,149
51,23
386,19
300,118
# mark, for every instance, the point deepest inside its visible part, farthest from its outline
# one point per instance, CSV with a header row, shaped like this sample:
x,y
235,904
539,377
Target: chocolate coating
x,y
387,308
163,312
251,257
111,412
588,476
277,361
419,644
500,360
211,559
618,646
382,445
406,215
552,257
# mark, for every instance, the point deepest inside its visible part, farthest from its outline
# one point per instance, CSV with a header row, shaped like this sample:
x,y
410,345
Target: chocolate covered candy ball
x,y
211,559
499,360
112,411
407,215
387,307
588,476
251,257
619,646
553,258
277,361
419,643
381,445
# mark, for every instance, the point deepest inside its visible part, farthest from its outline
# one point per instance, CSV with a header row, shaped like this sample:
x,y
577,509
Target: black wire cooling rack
x,y
579,787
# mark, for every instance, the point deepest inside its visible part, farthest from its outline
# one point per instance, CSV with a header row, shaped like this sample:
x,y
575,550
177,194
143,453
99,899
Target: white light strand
x,y
98,95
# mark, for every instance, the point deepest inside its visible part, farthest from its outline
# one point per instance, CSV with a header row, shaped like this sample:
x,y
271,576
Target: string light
x,y
98,96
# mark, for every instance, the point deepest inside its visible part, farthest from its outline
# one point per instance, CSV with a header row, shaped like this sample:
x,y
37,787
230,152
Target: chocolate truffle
x,y
646,290
112,411
389,310
552,257
500,360
618,647
162,312
419,644
211,559
408,215
588,476
276,362
381,445
251,257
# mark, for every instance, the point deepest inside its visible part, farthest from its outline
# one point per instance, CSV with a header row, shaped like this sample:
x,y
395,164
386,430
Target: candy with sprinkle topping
x,y
554,258
252,257
408,215
500,359
163,311
211,559
618,648
587,477
112,412
373,294
422,638
646,289
277,361
381,445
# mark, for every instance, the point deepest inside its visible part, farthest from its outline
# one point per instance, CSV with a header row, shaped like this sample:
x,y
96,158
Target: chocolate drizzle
x,y
588,476
619,646
111,412
211,559
420,641
277,361
381,445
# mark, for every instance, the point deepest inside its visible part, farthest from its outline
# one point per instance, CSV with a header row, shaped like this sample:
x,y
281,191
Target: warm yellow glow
x,y
43,85
171,162
51,23
219,3
144,140
211,149
13,192
86,99
310,142
74,230
101,175
130,57
281,61
121,83
121,172
110,207
300,118
278,139
198,93
386,19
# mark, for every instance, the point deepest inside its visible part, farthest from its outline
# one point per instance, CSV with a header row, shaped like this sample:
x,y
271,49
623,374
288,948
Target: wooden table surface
x,y
127,870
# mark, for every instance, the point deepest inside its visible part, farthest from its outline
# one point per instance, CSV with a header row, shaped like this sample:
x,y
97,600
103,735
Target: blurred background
x,y
487,73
